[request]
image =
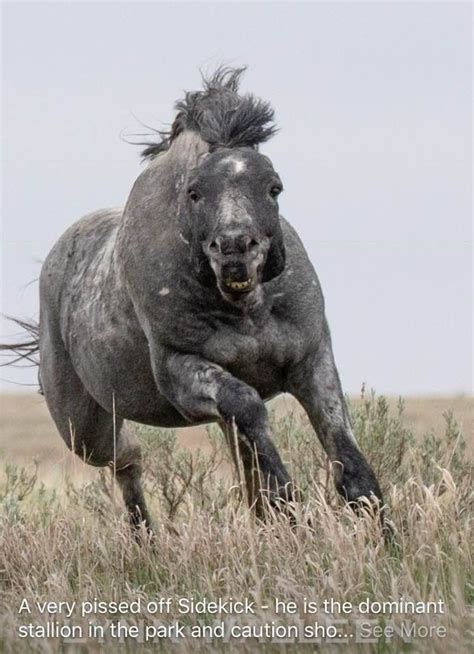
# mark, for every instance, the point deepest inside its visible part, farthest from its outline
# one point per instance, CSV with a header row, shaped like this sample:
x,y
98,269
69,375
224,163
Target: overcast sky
x,y
373,101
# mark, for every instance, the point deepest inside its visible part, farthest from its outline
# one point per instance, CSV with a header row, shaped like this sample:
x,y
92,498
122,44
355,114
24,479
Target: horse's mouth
x,y
239,287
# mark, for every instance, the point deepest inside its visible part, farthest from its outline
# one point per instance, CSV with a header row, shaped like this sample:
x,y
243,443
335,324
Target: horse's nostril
x,y
233,243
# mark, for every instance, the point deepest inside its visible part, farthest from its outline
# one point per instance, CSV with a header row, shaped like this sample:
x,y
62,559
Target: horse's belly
x,y
135,397
118,375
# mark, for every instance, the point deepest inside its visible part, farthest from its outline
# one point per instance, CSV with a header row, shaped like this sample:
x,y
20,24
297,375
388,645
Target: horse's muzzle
x,y
235,260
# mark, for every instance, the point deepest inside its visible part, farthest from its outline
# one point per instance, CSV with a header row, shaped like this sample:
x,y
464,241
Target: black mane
x,y
221,116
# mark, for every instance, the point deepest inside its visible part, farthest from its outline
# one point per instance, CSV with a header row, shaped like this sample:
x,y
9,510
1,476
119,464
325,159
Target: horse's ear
x,y
276,258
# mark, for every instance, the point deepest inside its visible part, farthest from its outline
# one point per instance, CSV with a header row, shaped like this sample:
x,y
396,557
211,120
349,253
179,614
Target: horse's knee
x,y
94,456
79,441
96,439
244,405
128,451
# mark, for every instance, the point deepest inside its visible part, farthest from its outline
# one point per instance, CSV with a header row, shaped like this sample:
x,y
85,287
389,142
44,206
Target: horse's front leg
x,y
203,391
315,383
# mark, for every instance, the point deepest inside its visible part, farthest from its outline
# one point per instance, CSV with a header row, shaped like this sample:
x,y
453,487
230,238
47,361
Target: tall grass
x,y
78,546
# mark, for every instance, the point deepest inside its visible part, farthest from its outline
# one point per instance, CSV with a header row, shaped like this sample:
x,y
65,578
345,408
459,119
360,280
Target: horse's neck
x,y
175,167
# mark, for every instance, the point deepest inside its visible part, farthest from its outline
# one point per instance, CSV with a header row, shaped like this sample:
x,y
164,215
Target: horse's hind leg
x,y
128,473
95,435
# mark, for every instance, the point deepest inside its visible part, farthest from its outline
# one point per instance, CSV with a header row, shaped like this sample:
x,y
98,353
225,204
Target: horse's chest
x,y
257,355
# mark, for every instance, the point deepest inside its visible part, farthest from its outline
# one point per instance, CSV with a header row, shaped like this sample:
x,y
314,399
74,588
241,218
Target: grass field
x,y
64,538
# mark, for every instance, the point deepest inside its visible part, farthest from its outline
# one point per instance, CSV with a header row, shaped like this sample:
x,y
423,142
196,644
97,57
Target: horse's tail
x,y
24,352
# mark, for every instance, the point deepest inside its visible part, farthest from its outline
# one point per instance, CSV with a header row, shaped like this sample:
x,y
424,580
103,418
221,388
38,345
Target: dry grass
x,y
75,545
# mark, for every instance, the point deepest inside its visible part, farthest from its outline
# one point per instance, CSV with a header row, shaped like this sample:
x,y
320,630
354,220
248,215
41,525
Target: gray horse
x,y
195,303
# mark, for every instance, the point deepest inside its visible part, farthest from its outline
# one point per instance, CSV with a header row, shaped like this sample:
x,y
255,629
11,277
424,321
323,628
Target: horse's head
x,y
234,221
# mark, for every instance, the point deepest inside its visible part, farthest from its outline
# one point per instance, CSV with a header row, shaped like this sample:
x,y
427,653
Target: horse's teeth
x,y
238,286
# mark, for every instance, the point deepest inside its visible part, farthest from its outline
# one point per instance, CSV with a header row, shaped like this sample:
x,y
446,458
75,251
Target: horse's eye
x,y
194,195
275,190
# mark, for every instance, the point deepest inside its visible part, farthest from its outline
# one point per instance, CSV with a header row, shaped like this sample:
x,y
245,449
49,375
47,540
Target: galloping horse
x,y
194,303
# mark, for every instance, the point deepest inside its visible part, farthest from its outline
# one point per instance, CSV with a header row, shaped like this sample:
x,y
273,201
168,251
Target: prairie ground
x,y
328,580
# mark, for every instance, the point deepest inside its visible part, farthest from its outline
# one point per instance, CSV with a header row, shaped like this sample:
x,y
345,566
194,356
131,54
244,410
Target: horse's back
x,y
77,280
78,259
77,247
